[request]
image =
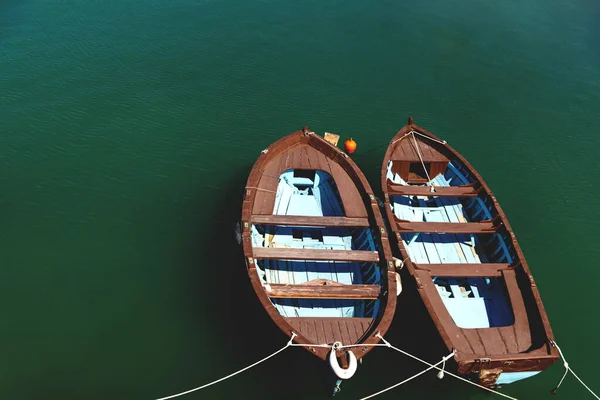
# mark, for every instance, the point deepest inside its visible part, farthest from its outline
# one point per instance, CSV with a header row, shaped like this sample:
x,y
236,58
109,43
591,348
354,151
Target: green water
x,y
127,130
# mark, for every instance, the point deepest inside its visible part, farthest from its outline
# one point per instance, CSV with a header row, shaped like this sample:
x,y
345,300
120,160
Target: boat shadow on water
x,y
244,332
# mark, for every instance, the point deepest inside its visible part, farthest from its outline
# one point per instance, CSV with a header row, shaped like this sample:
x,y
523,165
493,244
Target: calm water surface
x,y
127,130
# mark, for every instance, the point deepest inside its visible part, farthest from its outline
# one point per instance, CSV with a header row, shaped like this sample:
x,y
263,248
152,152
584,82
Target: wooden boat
x,y
468,267
316,247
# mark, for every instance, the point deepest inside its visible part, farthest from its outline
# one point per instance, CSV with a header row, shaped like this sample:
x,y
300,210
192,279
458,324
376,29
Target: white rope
x,y
399,139
567,370
430,138
235,373
422,162
388,344
420,134
443,361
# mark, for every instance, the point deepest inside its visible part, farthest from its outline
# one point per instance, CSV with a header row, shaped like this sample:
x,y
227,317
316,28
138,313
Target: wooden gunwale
x,y
535,359
374,217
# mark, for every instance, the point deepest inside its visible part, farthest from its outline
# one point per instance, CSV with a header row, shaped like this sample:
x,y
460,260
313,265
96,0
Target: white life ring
x,y
339,371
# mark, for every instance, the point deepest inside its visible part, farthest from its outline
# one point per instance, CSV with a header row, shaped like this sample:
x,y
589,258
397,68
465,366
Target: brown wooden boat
x,y
468,267
316,247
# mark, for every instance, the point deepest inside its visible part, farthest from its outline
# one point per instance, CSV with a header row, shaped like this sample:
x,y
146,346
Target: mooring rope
x,y
567,370
422,162
430,138
385,343
443,361
235,373
388,344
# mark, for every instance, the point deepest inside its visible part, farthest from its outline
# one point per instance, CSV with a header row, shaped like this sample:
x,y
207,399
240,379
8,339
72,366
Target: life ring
x,y
339,371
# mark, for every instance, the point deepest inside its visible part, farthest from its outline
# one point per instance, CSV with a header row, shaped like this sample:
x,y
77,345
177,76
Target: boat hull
x,y
464,258
304,290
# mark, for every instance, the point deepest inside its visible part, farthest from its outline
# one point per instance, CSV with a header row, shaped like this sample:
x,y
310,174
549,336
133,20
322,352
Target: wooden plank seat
x,y
299,220
465,270
328,291
448,227
271,253
440,191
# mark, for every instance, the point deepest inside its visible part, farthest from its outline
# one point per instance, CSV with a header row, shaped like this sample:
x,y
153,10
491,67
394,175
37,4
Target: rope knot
x,y
294,334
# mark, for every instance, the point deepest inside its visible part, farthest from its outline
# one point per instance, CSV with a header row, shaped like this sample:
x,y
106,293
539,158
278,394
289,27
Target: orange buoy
x,y
350,146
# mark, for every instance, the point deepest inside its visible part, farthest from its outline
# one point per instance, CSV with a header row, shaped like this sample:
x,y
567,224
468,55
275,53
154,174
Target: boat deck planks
x,y
446,227
292,158
521,346
305,150
464,270
329,330
458,191
300,220
305,291
272,253
405,150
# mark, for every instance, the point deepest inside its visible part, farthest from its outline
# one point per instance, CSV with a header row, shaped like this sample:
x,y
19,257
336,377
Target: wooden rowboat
x,y
468,267
316,248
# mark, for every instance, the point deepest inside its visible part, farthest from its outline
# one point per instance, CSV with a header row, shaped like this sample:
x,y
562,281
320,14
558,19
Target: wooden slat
x,y
329,329
321,337
298,220
281,291
464,270
344,331
522,329
444,191
447,227
269,253
349,192
509,338
474,340
492,341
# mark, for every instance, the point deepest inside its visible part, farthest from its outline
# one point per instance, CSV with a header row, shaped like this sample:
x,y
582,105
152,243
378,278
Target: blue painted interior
x,y
310,196
472,302
314,193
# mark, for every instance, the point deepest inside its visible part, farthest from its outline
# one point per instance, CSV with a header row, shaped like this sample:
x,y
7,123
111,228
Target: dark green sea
x,y
128,128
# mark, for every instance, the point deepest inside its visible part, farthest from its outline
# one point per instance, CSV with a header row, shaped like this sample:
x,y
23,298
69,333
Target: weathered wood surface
x,y
330,330
299,154
464,270
509,348
405,150
444,191
323,291
446,227
295,220
306,150
271,253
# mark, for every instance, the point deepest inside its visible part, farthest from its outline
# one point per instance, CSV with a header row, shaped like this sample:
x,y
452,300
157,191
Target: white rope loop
x,y
567,370
233,374
440,374
443,361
